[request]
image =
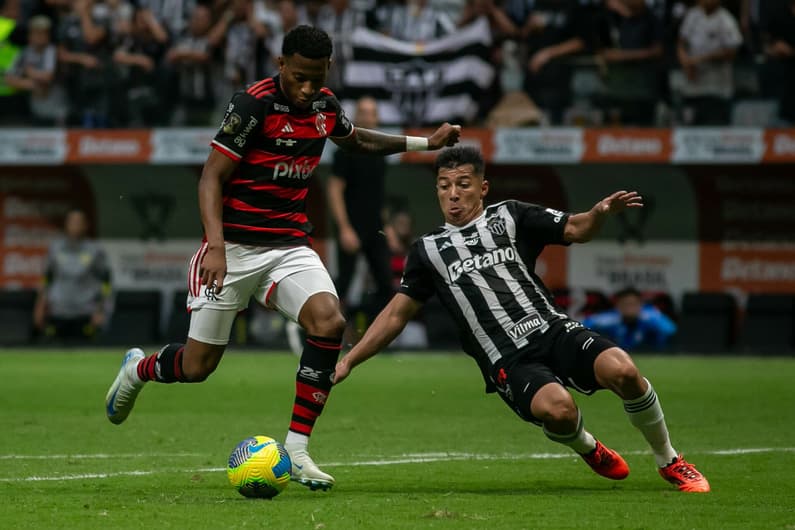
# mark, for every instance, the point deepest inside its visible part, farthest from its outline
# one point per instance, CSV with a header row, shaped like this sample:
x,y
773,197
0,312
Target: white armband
x,y
416,143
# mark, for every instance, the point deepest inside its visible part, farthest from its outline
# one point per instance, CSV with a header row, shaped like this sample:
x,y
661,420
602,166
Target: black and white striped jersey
x,y
484,275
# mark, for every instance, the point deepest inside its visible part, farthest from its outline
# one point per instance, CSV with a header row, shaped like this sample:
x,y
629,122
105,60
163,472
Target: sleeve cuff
x,y
224,150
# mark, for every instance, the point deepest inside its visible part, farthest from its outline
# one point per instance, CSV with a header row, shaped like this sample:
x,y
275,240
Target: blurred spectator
x,y
356,199
633,325
239,25
399,232
630,60
189,62
74,300
778,72
554,31
503,54
138,60
84,50
287,17
501,24
413,21
34,72
172,15
120,13
339,20
708,42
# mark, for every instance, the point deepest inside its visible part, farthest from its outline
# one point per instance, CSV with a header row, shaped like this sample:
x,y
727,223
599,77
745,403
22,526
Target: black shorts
x,y
565,354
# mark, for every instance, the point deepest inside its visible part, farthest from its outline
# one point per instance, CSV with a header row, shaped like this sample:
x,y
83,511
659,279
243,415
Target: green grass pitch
x,y
412,440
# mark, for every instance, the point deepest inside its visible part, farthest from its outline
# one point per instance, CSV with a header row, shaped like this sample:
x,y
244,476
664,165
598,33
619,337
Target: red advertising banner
x,y
748,267
108,146
627,145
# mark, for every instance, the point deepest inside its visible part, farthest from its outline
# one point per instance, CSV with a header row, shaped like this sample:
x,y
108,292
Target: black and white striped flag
x,y
420,84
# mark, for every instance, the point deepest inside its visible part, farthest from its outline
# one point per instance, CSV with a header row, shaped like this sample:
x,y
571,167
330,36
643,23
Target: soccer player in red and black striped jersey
x,y
252,196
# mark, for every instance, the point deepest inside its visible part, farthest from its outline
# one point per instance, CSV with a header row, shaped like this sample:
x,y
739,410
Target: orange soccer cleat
x,y
685,476
607,462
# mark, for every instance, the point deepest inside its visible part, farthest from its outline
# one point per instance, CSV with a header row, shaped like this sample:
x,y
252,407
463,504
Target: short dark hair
x,y
307,41
627,291
458,156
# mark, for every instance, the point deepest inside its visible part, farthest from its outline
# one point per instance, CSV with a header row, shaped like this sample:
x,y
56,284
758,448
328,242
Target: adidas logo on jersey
x,y
480,262
287,129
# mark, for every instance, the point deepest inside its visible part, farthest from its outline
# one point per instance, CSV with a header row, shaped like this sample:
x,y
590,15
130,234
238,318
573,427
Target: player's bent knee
x,y
615,370
321,316
554,405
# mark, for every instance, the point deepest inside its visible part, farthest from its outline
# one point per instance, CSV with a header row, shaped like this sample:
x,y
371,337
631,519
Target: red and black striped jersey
x,y
278,148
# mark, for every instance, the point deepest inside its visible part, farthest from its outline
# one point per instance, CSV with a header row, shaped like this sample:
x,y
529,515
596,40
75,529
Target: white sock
x,y
580,440
646,414
294,439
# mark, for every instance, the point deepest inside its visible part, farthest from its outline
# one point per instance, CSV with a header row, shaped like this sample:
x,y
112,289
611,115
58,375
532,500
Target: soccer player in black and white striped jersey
x,y
481,265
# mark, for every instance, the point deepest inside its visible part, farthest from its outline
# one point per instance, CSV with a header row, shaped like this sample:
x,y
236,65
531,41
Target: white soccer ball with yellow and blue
x,y
259,467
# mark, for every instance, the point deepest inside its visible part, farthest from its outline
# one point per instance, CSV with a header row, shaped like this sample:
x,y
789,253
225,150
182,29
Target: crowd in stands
x,y
132,63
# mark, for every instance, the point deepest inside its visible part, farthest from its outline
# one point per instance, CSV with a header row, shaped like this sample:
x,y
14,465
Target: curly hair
x,y
458,156
307,41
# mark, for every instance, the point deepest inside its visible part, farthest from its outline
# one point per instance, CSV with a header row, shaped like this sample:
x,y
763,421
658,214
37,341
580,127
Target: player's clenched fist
x,y
444,136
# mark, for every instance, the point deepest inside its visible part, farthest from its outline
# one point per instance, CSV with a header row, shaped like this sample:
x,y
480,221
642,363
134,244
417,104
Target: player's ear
x,y
282,62
484,188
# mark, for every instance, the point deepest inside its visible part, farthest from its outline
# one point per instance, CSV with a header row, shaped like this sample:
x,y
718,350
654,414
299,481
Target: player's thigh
x,y
211,326
300,280
573,356
519,384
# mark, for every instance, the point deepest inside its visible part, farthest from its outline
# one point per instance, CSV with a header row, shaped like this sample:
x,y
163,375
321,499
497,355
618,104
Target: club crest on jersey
x,y
496,226
480,262
320,124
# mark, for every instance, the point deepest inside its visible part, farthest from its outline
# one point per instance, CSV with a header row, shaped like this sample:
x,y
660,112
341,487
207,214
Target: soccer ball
x,y
259,467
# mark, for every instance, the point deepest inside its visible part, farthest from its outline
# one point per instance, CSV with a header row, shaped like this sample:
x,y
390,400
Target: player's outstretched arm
x,y
387,325
581,227
378,143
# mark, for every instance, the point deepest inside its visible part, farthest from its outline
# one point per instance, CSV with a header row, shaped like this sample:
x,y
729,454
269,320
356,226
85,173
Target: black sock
x,y
313,381
165,366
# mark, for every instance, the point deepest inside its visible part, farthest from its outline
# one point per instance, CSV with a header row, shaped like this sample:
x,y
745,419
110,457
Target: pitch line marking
x,y
414,458
100,456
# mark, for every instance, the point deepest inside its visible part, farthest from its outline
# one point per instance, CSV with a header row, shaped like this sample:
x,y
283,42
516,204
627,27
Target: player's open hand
x,y
213,268
620,201
445,136
341,371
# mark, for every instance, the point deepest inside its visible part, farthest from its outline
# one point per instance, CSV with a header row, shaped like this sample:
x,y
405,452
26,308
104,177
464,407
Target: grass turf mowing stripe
x,y
418,458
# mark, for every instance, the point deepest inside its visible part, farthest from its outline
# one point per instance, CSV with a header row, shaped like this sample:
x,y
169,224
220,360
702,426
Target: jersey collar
x,y
448,226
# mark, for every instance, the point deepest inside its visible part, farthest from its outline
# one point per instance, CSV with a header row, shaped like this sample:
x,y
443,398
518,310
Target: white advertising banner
x,y
709,145
657,266
559,145
159,265
32,146
181,146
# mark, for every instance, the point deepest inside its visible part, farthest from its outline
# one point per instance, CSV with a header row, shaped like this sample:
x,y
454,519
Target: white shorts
x,y
278,278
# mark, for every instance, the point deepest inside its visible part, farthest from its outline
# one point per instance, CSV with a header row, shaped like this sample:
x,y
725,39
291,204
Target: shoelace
x,y
687,471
